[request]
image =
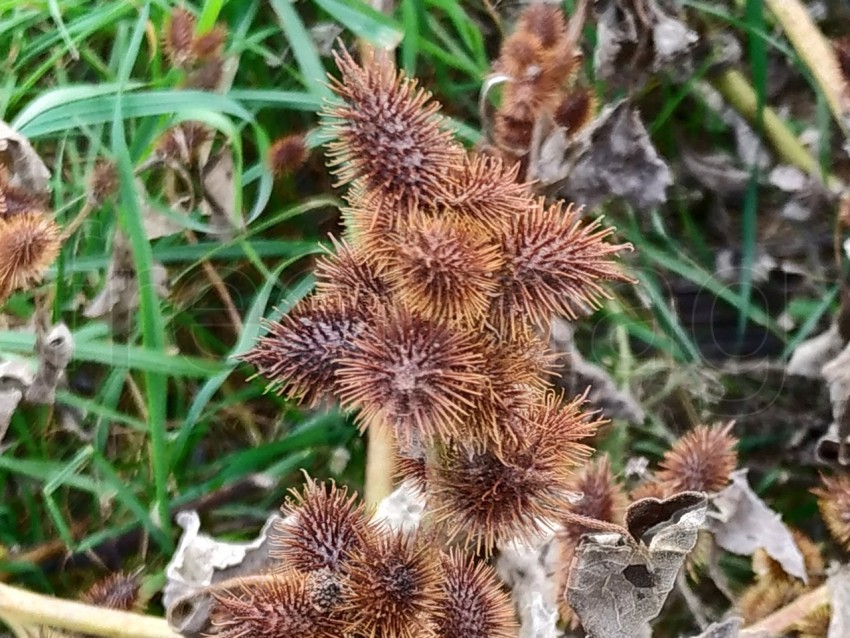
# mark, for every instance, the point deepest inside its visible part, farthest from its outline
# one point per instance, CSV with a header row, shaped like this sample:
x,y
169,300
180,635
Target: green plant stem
x,y
735,89
26,609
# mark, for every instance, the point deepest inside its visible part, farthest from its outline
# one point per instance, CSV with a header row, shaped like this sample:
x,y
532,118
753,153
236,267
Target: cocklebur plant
x,y
427,324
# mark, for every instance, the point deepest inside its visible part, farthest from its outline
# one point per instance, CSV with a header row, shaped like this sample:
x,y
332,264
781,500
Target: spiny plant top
x,y
426,317
342,574
29,238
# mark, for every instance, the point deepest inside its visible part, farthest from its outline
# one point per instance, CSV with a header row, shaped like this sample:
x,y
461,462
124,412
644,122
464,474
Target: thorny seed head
x,y
475,604
701,461
486,193
178,37
546,22
103,183
412,374
388,134
322,525
489,496
29,242
763,598
350,272
393,588
602,498
300,354
814,624
287,154
117,591
444,269
270,607
553,261
576,110
412,467
210,45
834,505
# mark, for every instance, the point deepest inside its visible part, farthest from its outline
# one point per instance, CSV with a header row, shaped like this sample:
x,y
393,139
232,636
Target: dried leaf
x,y
839,602
612,157
837,375
15,377
119,298
813,354
54,350
529,572
156,224
577,374
718,172
742,523
219,194
726,629
200,561
637,38
402,510
619,582
9,400
28,171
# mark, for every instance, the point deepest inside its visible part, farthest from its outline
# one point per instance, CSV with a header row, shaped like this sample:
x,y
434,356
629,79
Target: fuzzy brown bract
x,y
287,154
834,504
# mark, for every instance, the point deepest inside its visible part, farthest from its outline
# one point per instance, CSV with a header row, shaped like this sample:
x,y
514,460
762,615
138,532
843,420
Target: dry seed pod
x,y
322,525
287,154
701,461
300,354
412,374
116,591
393,588
388,134
475,605
272,606
29,242
444,269
834,505
179,37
